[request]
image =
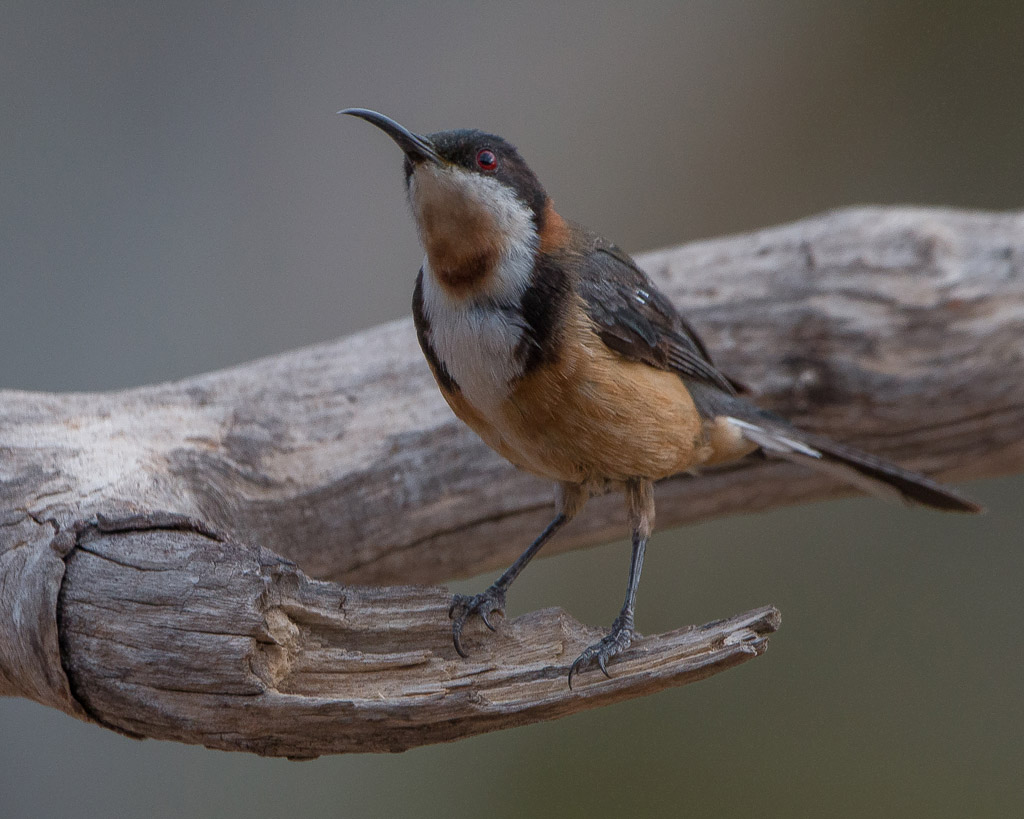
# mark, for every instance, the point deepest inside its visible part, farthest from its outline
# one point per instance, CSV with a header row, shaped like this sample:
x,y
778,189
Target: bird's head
x,y
478,207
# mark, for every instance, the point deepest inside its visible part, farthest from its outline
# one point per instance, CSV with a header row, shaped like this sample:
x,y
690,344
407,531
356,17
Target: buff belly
x,y
595,416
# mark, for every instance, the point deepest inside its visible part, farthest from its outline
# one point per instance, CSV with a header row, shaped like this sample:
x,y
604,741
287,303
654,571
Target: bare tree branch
x,y
239,650
136,585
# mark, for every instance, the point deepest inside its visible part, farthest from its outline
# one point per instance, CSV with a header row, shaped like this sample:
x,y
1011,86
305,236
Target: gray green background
x,y
177,194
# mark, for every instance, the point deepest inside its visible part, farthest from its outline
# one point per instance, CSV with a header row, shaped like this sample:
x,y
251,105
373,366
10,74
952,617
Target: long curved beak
x,y
416,147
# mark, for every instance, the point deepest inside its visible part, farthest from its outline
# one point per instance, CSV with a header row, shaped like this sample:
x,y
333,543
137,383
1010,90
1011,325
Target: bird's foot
x,y
617,640
465,606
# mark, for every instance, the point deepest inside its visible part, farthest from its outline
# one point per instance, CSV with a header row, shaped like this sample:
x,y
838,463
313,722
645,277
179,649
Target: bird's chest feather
x,y
477,344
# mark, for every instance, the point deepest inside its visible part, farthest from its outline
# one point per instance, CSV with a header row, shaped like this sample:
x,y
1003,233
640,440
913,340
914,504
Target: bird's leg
x,y
570,499
640,506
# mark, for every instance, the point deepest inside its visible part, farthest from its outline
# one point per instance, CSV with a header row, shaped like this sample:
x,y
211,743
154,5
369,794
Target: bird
x,y
553,345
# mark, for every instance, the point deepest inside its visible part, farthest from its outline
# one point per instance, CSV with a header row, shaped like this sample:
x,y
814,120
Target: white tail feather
x,y
770,440
776,442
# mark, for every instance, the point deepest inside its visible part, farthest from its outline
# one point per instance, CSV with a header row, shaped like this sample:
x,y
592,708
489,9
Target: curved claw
x,y
603,650
584,660
457,639
464,607
575,667
483,616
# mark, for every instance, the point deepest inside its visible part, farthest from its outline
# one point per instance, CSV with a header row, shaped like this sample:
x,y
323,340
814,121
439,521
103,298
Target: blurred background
x,y
177,195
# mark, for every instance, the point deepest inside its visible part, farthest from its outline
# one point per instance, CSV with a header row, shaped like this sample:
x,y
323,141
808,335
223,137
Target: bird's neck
x,y
473,263
460,262
555,233
481,241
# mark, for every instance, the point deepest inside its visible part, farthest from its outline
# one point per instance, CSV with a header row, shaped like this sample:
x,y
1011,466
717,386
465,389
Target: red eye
x,y
487,160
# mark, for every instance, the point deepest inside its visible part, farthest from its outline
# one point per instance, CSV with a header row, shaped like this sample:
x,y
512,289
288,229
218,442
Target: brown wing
x,y
638,321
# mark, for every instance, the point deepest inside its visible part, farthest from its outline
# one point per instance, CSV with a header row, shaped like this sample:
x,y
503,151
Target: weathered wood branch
x,y
137,585
242,651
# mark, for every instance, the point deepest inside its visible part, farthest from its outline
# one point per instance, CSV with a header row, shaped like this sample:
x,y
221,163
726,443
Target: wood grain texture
x,y
898,330
175,634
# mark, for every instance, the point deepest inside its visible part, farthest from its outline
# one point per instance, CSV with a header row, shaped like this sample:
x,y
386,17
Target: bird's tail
x,y
777,437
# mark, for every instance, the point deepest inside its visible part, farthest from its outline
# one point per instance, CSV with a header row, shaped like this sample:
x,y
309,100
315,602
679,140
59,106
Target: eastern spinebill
x,y
558,351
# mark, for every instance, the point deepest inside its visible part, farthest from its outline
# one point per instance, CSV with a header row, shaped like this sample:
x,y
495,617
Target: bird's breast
x,y
476,343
